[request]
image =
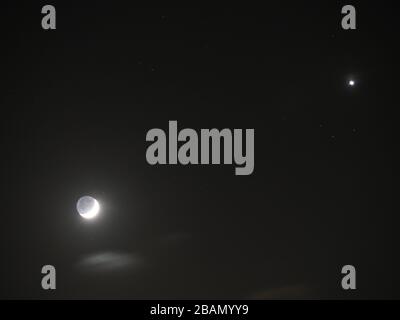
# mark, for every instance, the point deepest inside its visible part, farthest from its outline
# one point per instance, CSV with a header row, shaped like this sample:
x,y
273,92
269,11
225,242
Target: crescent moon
x,y
92,212
88,207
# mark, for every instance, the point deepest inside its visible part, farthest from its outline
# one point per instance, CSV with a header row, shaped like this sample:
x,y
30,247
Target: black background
x,y
78,101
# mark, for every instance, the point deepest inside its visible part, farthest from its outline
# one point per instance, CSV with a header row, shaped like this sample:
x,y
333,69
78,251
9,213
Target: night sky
x,y
77,102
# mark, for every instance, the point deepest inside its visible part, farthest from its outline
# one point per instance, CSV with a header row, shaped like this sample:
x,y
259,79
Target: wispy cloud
x,y
109,261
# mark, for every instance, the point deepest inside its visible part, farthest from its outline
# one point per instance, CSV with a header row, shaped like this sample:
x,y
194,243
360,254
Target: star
x,y
352,83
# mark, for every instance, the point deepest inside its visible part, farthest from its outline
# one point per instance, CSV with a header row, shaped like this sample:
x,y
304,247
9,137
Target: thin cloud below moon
x,y
109,261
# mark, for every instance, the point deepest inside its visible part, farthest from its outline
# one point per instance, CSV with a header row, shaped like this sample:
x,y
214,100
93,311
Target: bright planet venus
x,y
88,207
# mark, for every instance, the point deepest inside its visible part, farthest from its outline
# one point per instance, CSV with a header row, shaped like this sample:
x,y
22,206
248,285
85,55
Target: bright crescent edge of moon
x,y
92,212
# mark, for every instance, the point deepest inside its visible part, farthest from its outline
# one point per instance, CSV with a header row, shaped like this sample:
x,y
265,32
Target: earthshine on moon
x,y
88,207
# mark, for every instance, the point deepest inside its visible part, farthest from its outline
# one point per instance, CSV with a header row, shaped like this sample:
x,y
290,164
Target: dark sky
x,y
78,101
